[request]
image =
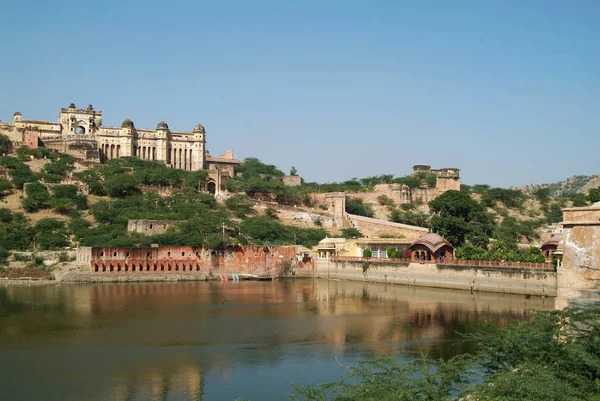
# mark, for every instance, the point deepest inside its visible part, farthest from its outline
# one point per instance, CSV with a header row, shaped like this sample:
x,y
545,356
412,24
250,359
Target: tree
x,y
542,195
51,234
578,199
293,171
240,205
37,197
15,231
121,185
456,216
358,207
5,185
594,195
5,144
22,174
351,232
367,253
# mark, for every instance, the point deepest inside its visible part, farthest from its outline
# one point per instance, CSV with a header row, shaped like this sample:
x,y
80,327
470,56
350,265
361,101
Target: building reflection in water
x,y
158,341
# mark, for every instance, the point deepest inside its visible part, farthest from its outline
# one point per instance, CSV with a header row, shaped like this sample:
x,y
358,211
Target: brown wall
x,y
259,260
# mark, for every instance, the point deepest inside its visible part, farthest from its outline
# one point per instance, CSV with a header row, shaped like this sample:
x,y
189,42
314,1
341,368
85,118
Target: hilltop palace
x,y
80,132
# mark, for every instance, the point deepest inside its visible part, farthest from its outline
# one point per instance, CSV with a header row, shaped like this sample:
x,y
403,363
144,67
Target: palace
x,y
80,133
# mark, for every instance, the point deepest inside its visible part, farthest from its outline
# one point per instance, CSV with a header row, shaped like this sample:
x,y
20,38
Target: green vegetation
x,y
457,217
358,207
5,144
578,200
393,252
351,232
594,195
367,253
419,219
553,357
511,198
500,252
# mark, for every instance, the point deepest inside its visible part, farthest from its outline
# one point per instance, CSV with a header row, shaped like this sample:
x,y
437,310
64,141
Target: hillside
x,y
48,202
576,184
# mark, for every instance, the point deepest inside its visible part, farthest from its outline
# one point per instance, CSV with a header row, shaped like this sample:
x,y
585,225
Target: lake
x,y
220,341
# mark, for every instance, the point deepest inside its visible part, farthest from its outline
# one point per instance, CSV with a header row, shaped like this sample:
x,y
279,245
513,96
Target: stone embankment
x,y
501,279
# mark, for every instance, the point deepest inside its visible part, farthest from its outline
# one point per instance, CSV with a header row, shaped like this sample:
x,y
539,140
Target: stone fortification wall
x,y
150,227
262,261
378,228
542,282
292,180
298,214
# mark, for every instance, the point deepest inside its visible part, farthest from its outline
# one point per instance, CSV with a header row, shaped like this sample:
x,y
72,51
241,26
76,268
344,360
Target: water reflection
x,y
179,341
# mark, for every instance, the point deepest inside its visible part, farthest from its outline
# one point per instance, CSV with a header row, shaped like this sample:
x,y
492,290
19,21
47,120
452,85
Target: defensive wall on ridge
x,y
527,279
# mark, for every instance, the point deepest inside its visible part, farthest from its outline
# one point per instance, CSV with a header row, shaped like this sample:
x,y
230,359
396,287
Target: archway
x,y
211,186
80,130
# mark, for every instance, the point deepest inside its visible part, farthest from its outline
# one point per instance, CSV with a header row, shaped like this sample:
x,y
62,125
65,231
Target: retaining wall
x,y
510,280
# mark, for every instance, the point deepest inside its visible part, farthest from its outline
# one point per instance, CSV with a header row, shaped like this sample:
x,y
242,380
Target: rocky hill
x,y
576,184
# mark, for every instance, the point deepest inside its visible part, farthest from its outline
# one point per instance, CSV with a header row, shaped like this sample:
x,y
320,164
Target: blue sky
x,y
508,91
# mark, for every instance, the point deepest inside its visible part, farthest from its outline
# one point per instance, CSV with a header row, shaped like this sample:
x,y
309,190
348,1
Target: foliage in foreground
x,y
555,356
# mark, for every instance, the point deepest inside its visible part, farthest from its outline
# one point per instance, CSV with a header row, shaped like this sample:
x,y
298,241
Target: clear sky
x,y
508,91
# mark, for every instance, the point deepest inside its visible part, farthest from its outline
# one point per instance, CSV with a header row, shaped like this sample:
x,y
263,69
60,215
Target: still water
x,y
220,341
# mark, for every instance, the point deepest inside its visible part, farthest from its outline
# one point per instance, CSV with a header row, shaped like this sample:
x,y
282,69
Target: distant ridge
x,y
576,184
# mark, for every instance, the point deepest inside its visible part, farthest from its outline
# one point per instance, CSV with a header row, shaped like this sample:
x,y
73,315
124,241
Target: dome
x,y
72,106
432,241
554,240
90,107
127,123
199,128
162,125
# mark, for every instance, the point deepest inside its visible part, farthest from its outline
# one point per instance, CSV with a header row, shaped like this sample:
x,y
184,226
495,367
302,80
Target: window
x,y
182,253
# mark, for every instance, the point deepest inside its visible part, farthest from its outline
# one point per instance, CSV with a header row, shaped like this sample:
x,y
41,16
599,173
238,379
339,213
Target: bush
x,y
367,253
358,207
37,197
272,213
240,205
385,201
51,234
21,175
5,144
511,198
351,232
594,195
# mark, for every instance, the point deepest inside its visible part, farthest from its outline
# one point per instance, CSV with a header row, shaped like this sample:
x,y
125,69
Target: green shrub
x,y
37,197
358,207
367,253
351,232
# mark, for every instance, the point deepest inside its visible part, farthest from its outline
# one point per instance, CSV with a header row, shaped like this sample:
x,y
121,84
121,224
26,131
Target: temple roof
x,y
432,241
554,240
